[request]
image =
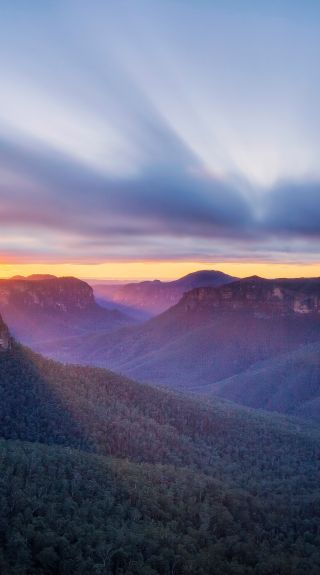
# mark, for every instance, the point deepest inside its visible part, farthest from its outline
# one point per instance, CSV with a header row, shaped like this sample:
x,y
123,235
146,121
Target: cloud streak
x,y
72,212
170,133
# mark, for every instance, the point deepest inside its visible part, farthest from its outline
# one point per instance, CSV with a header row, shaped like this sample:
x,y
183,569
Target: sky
x,y
151,138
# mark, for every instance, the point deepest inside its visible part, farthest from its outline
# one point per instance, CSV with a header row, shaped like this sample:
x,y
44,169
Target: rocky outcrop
x,y
55,294
5,337
258,296
54,308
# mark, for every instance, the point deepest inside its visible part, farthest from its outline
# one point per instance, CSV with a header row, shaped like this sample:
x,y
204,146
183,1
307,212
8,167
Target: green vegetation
x,y
63,511
100,474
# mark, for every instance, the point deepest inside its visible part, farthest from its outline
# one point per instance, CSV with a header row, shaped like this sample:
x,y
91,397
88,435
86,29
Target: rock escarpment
x,y
54,308
5,337
258,295
56,294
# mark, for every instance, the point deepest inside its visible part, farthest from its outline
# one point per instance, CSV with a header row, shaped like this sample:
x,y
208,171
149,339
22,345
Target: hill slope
x,y
288,383
100,411
65,511
198,485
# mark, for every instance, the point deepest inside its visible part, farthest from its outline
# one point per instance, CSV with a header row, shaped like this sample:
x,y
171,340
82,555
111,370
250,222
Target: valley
x,y
213,460
159,287
104,471
213,334
149,298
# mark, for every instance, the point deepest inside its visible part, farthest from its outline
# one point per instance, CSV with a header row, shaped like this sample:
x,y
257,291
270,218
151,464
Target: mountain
x,y
288,383
34,277
45,308
193,485
149,298
210,335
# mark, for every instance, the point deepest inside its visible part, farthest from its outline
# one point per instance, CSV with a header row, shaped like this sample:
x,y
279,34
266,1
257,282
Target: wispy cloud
x,y
164,131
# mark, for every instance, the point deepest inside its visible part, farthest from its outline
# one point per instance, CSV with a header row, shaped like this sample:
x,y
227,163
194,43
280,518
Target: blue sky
x,y
169,130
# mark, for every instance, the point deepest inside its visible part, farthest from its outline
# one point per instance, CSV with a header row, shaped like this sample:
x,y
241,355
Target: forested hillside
x,y
102,412
65,511
288,383
195,489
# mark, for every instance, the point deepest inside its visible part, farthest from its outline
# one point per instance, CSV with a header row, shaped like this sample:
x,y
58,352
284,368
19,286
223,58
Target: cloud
x,y
41,187
158,133
54,208
293,208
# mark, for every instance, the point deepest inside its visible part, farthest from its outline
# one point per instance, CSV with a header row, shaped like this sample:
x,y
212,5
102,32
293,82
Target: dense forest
x,y
100,474
67,512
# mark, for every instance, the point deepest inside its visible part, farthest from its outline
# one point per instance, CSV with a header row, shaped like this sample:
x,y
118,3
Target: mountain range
x,y
253,341
149,298
217,333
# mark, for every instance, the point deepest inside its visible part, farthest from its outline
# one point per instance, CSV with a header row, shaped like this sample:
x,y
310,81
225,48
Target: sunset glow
x,y
161,270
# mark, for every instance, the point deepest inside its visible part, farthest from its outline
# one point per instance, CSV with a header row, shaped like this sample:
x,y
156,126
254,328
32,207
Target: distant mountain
x,y
38,309
288,383
193,485
150,298
210,335
34,277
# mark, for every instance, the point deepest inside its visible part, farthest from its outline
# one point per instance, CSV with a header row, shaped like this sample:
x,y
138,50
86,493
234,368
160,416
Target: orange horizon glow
x,y
163,270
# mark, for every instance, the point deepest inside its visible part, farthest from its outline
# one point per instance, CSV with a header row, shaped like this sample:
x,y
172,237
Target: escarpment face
x,y
57,294
258,295
5,338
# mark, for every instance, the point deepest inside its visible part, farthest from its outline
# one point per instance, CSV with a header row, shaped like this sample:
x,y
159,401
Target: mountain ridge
x,y
152,297
210,335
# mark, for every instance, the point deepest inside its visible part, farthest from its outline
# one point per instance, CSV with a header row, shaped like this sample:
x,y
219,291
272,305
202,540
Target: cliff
x,y
56,294
54,308
5,337
259,296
